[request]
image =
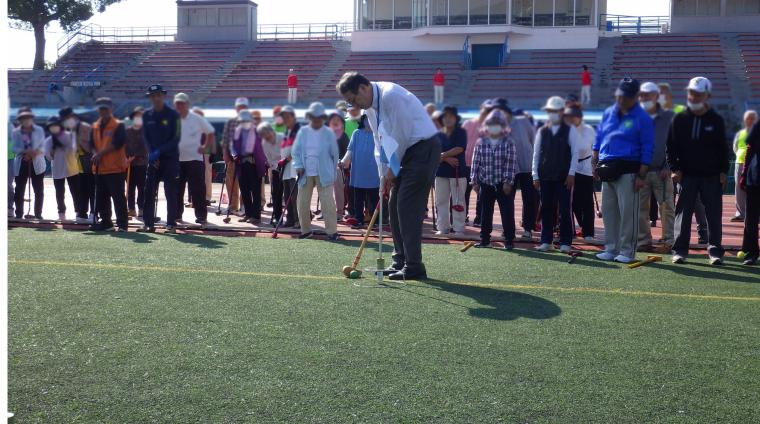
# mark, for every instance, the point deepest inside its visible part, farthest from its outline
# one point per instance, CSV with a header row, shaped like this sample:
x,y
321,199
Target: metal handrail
x,y
634,24
95,32
308,31
504,53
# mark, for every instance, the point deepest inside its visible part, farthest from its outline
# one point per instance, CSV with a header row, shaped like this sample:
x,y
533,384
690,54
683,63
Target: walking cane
x,y
95,199
126,193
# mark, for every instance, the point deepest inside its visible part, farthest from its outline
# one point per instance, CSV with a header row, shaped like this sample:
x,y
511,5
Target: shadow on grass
x,y
500,305
710,272
141,238
586,260
199,241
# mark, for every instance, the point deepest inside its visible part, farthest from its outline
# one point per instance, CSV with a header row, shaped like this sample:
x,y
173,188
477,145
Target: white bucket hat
x,y
555,103
316,110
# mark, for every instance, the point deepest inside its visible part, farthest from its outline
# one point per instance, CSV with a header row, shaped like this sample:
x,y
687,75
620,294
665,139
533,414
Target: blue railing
x,y
634,24
504,53
466,54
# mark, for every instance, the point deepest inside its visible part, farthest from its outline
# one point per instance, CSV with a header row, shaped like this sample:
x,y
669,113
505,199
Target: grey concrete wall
x,y
704,24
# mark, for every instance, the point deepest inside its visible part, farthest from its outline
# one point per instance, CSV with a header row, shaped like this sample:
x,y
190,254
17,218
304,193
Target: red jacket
x,y
585,78
438,78
292,81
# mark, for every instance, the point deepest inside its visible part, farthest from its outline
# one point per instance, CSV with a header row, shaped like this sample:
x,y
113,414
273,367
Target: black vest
x,y
555,154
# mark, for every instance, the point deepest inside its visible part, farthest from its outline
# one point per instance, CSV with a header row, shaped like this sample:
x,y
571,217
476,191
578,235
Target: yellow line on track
x,y
323,277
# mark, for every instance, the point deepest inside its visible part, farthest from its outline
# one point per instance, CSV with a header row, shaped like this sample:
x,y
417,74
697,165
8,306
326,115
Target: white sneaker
x,y
441,233
588,238
458,234
62,217
564,249
605,256
545,247
623,259
527,235
715,260
81,220
678,259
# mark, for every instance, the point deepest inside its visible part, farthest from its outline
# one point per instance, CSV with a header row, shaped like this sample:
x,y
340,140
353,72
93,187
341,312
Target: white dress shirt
x,y
192,127
586,139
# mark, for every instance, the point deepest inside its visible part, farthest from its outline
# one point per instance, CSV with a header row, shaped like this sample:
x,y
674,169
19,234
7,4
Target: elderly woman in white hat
x,y
315,160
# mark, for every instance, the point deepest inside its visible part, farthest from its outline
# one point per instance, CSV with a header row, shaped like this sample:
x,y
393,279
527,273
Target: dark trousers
x,y
275,188
583,203
11,177
289,187
250,190
524,180
408,198
60,192
111,187
166,171
554,194
710,191
488,195
467,192
136,184
751,216
364,198
193,174
86,188
653,208
38,185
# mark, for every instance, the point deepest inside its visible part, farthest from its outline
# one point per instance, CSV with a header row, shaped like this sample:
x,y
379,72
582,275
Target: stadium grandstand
x,y
524,50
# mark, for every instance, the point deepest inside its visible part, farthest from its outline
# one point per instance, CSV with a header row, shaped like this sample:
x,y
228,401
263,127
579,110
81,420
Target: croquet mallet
x,y
348,270
650,259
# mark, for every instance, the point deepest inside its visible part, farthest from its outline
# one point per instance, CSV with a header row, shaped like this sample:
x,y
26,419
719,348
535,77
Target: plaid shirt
x,y
228,133
494,165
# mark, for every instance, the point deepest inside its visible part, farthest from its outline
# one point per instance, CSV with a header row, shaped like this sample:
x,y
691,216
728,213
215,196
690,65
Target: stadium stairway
x,y
736,72
331,68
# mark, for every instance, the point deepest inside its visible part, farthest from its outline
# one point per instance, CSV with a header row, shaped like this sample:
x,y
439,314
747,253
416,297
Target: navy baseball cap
x,y
628,87
155,88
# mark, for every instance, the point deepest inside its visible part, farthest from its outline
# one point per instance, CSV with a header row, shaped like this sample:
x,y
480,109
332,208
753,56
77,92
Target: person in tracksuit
x,y
749,181
698,156
162,133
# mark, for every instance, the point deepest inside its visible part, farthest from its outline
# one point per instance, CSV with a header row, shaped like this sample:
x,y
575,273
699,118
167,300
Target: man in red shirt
x,y
585,86
292,87
438,82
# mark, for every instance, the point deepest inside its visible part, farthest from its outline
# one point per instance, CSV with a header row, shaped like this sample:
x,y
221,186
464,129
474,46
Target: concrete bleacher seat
x,y
749,49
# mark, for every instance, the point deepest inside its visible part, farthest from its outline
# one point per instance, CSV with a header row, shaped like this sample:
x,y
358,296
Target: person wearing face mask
x,y
450,179
740,150
81,135
29,163
315,160
555,160
583,189
256,116
233,186
473,127
665,98
271,141
698,156
209,151
247,152
137,156
494,167
61,152
622,156
335,122
657,181
292,127
523,133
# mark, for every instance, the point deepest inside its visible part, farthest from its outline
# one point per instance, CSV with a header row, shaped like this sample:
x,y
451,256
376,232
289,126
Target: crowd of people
x,y
651,156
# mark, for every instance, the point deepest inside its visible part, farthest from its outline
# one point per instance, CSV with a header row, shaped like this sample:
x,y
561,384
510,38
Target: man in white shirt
x,y
194,134
555,159
397,114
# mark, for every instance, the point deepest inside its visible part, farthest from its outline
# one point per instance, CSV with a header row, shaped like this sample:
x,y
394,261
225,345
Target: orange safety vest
x,y
114,162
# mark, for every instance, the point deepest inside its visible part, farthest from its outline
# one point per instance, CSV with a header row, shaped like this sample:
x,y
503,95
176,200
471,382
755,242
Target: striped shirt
x,y
494,164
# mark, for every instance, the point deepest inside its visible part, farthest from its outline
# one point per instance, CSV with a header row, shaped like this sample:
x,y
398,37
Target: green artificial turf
x,y
193,328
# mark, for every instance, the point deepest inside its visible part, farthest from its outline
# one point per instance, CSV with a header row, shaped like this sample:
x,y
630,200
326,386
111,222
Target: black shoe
x,y
737,219
653,224
406,274
269,205
749,261
101,226
146,230
508,245
122,229
482,245
332,237
305,235
394,268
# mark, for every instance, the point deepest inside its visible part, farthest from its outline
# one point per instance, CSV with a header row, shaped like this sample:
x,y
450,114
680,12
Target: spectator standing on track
x,y
109,163
248,153
61,152
292,87
666,98
233,186
750,182
271,142
740,150
208,153
439,82
81,133
585,86
11,159
289,185
29,164
658,182
698,156
162,128
137,156
364,182
450,179
494,167
335,122
523,134
315,160
622,155
472,128
555,159
277,125
195,133
583,189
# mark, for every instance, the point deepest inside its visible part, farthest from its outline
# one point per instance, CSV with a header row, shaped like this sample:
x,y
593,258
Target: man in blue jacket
x,y
621,158
162,131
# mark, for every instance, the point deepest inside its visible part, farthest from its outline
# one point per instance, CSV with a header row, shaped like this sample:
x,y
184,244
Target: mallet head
x,y
355,274
347,270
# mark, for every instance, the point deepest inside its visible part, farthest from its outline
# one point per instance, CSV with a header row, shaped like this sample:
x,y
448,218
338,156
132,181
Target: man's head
x,y
355,89
105,108
495,123
342,107
554,108
666,95
156,94
288,115
136,116
698,93
438,70
316,115
241,103
182,104
449,117
585,68
627,93
648,95
750,117
573,116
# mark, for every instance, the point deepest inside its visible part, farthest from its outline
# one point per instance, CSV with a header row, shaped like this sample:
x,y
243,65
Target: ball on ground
x,y
741,254
346,270
354,274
